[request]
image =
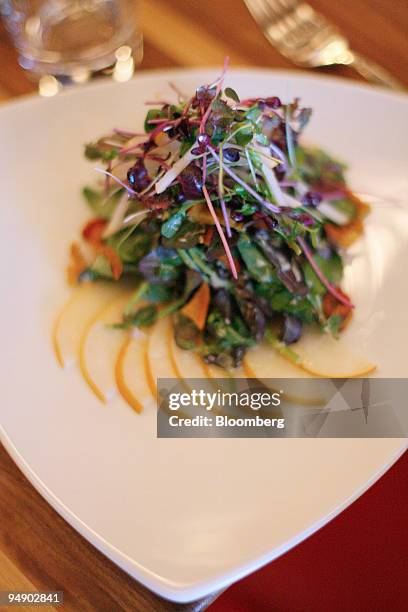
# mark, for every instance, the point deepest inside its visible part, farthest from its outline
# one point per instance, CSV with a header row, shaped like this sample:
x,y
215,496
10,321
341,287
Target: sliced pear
x,y
130,372
99,347
159,361
223,379
74,317
269,367
214,371
189,365
324,356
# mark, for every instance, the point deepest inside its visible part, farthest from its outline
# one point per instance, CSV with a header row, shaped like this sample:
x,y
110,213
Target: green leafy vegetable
x,y
258,267
256,238
231,93
186,334
331,267
334,323
101,206
145,316
130,247
101,267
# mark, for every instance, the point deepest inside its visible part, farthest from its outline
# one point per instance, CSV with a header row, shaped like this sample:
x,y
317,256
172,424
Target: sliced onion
x,y
174,171
273,185
267,165
118,216
291,201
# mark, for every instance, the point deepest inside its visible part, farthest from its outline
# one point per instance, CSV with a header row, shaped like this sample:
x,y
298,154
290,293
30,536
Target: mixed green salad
x,y
221,217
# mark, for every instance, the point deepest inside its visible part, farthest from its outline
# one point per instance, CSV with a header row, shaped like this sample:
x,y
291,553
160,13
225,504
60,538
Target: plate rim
x,y
166,588
162,73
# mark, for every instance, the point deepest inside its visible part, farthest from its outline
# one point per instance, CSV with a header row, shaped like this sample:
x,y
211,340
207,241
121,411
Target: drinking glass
x,y
72,38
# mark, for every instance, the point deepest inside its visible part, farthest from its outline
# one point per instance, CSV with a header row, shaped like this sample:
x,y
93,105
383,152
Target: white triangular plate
x,y
184,517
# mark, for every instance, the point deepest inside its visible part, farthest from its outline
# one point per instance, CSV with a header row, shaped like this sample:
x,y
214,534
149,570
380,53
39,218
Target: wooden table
x,y
38,550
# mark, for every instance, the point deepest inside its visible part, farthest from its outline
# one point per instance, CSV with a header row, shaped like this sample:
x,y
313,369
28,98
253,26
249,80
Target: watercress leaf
x,y
334,323
221,115
101,206
143,317
186,144
209,272
281,262
258,267
158,293
262,139
243,137
170,227
161,266
187,236
231,93
101,267
280,300
331,267
92,152
153,113
253,113
109,155
226,332
130,247
247,209
284,301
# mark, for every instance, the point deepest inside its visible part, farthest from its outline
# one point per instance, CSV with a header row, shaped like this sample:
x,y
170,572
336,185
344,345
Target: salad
x,y
222,218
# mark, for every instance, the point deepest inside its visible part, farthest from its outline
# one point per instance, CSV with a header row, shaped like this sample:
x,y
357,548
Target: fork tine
x,y
281,8
293,26
259,8
264,11
270,14
286,5
308,39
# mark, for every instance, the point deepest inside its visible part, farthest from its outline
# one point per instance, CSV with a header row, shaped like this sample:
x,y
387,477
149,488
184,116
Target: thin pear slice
x,y
130,372
159,361
74,317
190,366
99,346
223,379
214,371
324,356
279,374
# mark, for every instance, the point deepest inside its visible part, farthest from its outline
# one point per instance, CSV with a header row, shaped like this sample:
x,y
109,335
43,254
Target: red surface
x,y
357,563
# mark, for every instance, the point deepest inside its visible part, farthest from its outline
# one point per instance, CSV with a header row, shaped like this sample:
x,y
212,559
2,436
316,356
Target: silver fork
x,y
308,39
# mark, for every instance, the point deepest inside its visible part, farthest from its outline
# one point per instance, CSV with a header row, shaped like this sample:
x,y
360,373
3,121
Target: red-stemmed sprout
x,y
217,223
307,253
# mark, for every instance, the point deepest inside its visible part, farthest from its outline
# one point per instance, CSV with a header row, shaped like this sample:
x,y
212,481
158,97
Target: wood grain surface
x,y
38,550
